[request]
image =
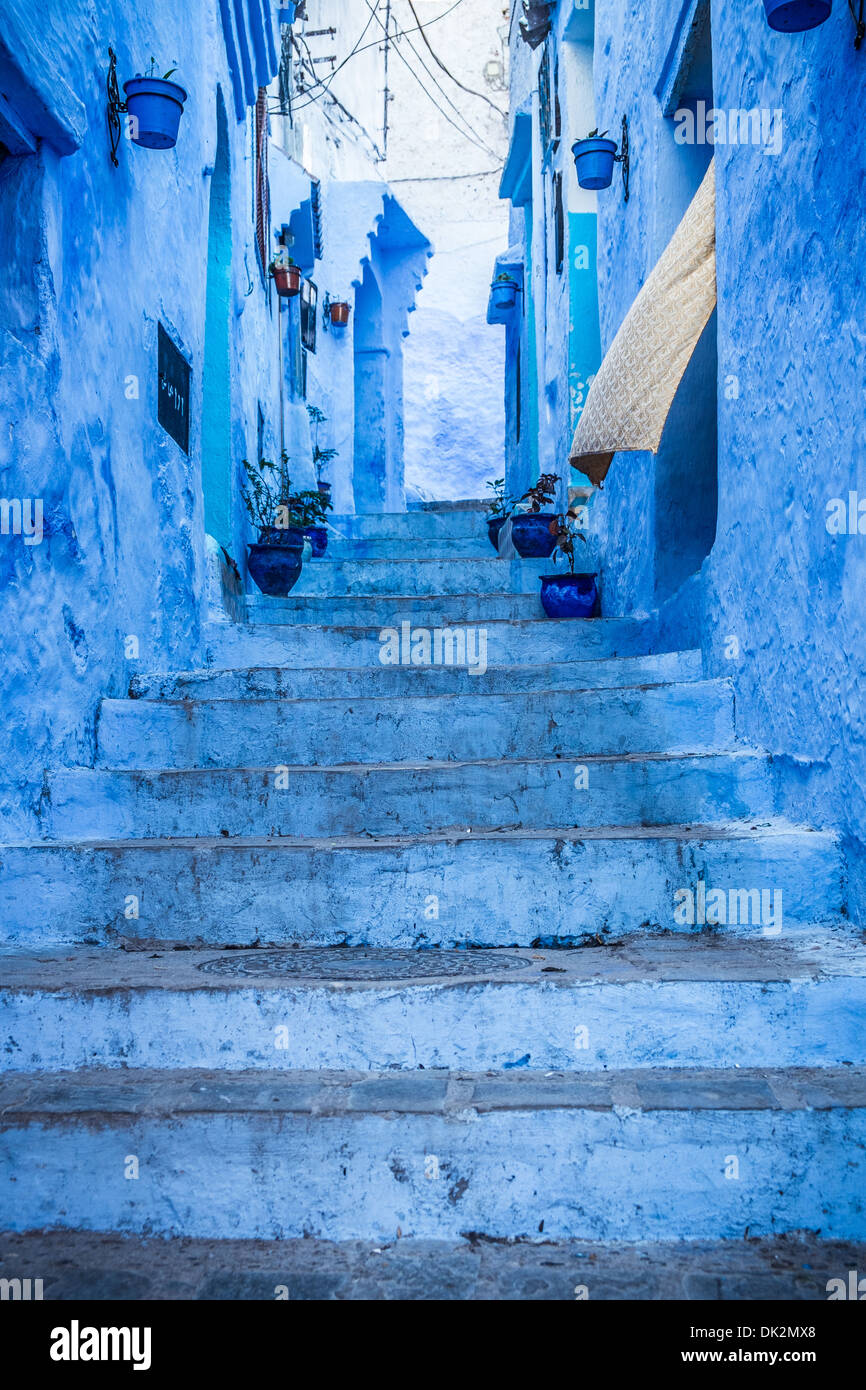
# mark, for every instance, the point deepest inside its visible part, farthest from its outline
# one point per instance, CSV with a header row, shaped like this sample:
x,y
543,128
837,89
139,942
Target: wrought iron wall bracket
x,y
857,11
624,159
115,108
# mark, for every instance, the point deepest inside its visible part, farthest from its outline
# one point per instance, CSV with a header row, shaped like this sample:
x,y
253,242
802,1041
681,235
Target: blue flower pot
x,y
504,293
318,538
593,160
286,13
532,536
494,526
793,16
569,595
156,105
275,568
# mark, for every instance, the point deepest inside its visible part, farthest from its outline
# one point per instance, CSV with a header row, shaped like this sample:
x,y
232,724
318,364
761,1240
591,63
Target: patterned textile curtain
x,y
630,398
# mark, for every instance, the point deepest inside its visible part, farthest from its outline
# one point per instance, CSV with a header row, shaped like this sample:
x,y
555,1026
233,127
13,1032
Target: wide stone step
x,y
336,682
527,642
408,800
469,547
414,526
417,576
616,1155
490,888
663,1002
693,717
390,610
82,1265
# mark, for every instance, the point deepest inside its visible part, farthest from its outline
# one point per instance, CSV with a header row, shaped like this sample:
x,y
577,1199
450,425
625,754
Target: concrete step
x,y
693,717
664,1002
343,682
488,888
85,1265
403,799
468,547
415,526
617,1155
527,642
390,610
420,576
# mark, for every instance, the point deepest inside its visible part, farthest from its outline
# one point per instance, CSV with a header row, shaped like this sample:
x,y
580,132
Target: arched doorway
x,y
370,468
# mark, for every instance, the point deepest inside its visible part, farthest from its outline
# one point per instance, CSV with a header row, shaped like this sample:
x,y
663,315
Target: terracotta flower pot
x,y
339,313
287,280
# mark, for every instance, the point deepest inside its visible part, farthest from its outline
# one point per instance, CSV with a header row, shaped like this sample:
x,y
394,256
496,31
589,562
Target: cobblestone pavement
x,y
86,1265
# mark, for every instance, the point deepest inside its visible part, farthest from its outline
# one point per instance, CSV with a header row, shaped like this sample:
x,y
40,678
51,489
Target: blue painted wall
x,y
789,386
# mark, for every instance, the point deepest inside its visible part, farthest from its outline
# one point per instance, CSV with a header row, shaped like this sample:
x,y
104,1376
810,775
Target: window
x,y
549,110
263,200
309,303
558,223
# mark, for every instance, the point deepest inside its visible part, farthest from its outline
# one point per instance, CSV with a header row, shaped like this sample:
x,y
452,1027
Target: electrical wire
x,y
367,46
455,80
473,136
479,140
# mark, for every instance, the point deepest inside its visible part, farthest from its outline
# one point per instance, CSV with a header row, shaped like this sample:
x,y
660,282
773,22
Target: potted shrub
x,y
530,530
568,595
154,106
594,160
505,291
339,312
321,457
499,511
309,508
286,274
275,561
794,16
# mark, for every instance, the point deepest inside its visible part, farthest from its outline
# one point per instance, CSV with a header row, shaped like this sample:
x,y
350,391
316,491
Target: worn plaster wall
x,y
780,596
95,257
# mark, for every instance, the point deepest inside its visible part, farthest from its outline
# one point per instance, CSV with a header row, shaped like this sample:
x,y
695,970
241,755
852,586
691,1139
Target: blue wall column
x,y
371,371
216,461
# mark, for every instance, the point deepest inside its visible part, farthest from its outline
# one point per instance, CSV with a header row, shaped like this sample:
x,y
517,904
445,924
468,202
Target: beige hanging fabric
x,y
629,400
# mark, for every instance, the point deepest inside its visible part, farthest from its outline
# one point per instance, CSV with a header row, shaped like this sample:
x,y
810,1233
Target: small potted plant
x,y
594,160
795,16
286,274
275,561
499,510
321,457
339,312
154,106
505,291
568,595
530,530
309,509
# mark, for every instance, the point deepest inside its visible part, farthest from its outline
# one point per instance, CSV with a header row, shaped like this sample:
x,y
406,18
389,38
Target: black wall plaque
x,y
172,409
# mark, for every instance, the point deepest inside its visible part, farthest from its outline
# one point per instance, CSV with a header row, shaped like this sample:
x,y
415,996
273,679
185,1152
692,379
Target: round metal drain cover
x,y
361,963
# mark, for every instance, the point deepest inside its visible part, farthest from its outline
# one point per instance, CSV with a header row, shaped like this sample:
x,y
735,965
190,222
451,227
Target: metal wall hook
x,y
115,108
624,158
859,21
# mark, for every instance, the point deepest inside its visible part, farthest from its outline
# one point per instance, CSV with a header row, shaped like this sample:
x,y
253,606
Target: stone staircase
x,y
530,953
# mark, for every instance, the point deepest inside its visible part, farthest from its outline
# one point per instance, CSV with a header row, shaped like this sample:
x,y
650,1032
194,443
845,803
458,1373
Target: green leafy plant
x,y
504,278
151,72
281,260
321,456
500,504
271,502
594,135
563,527
541,493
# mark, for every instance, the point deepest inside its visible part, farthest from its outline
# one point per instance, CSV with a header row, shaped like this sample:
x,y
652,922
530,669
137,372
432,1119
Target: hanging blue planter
x,y
504,293
794,16
286,13
155,105
593,160
569,595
